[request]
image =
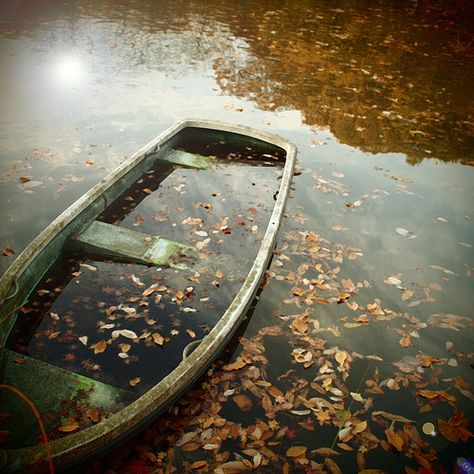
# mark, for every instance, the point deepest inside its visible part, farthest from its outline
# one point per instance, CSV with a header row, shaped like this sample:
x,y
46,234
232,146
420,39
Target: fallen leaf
x,y
296,451
72,425
243,402
8,252
134,381
341,357
394,439
332,466
405,341
99,346
158,338
125,333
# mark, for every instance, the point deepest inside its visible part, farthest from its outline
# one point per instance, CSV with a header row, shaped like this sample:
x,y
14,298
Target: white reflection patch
x,y
69,70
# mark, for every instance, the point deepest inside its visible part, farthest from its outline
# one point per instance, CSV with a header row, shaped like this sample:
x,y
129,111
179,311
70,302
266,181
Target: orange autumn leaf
x,y
455,429
134,381
99,346
394,438
72,425
405,341
199,465
296,451
436,393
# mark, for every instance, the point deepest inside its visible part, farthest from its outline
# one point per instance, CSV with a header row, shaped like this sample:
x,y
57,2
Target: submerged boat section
x,y
123,301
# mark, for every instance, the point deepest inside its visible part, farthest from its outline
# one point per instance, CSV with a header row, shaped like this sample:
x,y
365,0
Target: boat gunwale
x,y
83,444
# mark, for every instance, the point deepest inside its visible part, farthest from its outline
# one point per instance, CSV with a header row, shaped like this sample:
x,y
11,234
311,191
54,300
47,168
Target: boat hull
x,y
25,273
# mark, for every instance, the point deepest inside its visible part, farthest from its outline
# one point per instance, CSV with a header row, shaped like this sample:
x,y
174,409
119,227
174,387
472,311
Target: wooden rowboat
x,y
92,295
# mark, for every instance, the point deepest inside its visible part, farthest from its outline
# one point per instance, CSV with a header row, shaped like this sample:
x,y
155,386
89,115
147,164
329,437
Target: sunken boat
x,y
124,300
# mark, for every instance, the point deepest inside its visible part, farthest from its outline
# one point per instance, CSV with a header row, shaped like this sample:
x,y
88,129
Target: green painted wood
x,y
190,160
118,243
55,392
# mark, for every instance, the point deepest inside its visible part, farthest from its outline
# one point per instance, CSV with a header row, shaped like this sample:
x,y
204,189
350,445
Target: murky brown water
x,y
378,98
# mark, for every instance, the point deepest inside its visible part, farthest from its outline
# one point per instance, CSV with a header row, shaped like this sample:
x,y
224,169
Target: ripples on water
x,y
378,98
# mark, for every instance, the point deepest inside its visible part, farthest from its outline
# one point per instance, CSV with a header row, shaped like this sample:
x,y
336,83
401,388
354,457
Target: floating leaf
x,y
158,338
405,341
296,451
8,252
134,381
99,346
341,357
125,333
394,439
243,402
332,466
72,425
238,364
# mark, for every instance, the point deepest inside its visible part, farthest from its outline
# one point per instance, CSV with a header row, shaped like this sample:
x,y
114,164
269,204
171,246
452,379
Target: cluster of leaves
x,y
330,392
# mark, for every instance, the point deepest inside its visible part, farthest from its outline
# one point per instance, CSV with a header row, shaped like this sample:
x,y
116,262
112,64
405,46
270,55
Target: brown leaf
x,y
149,291
158,338
325,452
93,414
134,381
199,465
243,402
296,451
189,447
72,425
238,364
8,252
332,466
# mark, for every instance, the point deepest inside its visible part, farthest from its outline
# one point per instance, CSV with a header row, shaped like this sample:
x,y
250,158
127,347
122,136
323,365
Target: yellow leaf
x,y
322,416
341,357
134,381
359,427
357,397
158,338
296,451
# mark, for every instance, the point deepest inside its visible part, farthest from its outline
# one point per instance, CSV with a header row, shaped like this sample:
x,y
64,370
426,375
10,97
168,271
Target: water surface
x,y
375,254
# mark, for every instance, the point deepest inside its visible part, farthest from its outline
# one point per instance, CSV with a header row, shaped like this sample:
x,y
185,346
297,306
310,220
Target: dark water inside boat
x,y
377,95
127,324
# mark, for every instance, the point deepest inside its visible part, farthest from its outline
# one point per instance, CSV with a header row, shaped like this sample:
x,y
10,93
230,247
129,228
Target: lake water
x,y
370,290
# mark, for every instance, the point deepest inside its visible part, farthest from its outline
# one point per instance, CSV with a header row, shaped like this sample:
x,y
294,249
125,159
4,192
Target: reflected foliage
x,y
383,76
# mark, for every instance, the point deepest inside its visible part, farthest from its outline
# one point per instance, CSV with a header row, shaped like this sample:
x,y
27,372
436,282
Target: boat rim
x,y
83,444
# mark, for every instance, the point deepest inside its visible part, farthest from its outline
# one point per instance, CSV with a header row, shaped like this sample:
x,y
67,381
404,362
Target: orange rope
x,y
38,419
